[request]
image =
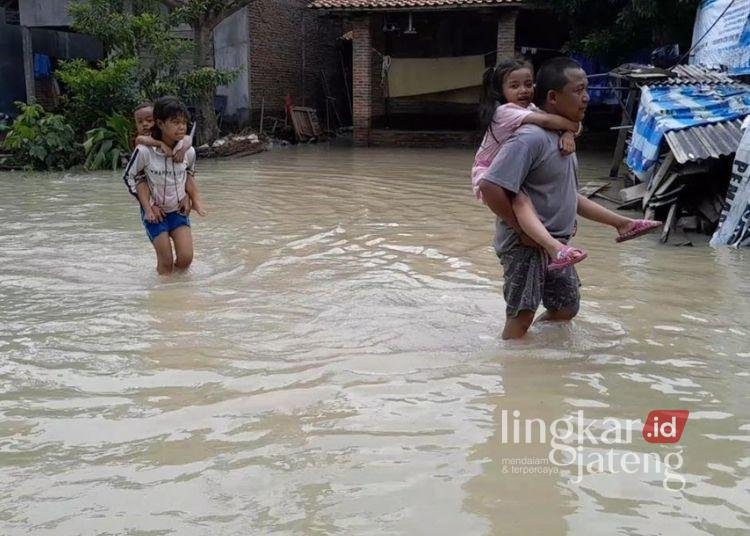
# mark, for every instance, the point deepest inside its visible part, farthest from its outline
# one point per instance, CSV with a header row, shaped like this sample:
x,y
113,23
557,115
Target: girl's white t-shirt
x,y
166,178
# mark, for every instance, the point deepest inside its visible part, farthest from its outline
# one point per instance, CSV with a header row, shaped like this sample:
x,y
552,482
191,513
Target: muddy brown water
x,y
332,364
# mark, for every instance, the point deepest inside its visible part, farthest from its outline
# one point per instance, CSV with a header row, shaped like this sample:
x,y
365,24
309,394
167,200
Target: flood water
x,y
332,363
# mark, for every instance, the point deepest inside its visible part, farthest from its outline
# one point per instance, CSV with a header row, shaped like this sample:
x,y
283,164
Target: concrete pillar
x,y
362,79
28,65
506,34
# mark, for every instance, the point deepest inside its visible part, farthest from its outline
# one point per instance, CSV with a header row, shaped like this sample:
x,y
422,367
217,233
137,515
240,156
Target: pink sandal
x,y
567,256
640,228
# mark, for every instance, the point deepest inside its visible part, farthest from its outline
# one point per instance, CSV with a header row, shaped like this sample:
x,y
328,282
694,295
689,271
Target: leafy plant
x,y
41,140
616,30
95,94
105,146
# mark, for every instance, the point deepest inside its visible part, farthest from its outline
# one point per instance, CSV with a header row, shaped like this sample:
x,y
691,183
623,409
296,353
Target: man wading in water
x,y
531,161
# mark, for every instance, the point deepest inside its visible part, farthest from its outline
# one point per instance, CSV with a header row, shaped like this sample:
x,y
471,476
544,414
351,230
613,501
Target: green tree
x,y
166,63
204,16
613,30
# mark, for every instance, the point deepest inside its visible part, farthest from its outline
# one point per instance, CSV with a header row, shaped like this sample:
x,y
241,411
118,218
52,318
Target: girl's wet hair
x,y
492,83
167,108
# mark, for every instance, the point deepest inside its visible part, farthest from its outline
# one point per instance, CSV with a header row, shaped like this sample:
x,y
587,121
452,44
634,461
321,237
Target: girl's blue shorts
x,y
171,221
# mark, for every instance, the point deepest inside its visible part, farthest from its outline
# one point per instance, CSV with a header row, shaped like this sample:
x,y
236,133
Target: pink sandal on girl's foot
x,y
640,228
567,256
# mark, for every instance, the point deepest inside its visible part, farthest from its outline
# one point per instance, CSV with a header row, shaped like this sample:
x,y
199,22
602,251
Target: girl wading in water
x,y
159,184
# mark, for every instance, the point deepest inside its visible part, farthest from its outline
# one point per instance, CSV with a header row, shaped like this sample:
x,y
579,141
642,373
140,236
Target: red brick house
x,y
417,64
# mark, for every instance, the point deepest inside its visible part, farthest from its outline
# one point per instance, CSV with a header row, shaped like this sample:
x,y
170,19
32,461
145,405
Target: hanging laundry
x,y
42,66
420,76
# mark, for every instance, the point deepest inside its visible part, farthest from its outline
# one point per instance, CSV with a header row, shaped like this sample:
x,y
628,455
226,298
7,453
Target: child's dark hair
x,y
166,108
143,105
492,83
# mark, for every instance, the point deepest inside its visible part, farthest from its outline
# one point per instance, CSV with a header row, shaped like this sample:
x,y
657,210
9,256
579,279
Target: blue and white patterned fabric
x,y
667,108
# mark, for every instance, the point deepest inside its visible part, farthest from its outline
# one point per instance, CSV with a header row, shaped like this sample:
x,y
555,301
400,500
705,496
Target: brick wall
x,y
379,46
362,61
290,46
506,34
409,138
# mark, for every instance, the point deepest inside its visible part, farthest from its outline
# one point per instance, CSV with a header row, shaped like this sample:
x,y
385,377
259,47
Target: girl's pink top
x,y
506,120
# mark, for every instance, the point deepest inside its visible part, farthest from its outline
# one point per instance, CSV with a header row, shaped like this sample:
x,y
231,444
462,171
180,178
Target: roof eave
x,y
459,7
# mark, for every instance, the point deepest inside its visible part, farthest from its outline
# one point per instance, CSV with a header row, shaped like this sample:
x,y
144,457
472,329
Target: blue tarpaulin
x,y
667,108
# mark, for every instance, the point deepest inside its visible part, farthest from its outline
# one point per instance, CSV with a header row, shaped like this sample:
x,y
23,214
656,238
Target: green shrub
x,y
40,140
95,94
106,146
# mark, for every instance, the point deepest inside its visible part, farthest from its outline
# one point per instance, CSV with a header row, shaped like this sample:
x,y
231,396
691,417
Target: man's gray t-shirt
x,y
531,162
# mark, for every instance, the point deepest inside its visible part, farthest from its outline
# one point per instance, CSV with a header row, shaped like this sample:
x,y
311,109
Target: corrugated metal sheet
x,y
704,142
693,74
679,75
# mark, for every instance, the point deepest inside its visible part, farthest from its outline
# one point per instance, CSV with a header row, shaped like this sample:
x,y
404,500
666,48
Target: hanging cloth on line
x,y
421,76
42,66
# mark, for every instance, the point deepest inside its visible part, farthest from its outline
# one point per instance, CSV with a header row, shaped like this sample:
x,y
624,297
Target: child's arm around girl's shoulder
x,y
506,120
148,141
550,121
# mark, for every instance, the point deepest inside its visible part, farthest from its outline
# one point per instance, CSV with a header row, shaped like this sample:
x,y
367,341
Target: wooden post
x,y
304,62
628,118
28,65
262,113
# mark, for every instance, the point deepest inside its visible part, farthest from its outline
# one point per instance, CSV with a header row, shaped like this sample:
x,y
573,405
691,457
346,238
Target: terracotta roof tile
x,y
367,5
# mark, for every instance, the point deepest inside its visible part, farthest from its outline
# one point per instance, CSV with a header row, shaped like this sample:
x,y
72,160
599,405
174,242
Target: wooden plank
x,y
634,193
627,115
590,189
306,124
656,181
659,200
669,223
607,198
302,127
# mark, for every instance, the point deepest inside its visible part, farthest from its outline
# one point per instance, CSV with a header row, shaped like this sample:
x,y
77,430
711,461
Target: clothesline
x,y
532,50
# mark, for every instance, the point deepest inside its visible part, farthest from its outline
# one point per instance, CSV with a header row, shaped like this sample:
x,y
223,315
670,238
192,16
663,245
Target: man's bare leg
x,y
516,327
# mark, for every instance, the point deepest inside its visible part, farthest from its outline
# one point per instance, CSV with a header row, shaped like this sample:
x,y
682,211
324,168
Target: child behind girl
x,y
144,123
508,104
159,183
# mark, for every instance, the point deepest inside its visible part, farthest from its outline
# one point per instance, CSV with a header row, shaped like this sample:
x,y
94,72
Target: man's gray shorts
x,y
528,283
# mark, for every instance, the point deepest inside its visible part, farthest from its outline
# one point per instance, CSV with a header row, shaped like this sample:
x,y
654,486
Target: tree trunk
x,y
208,128
127,7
